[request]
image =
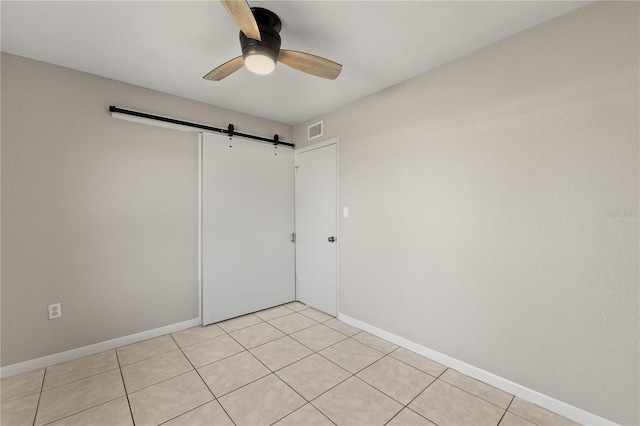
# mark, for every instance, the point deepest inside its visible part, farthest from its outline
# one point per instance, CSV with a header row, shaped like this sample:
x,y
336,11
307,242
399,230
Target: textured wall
x,y
494,208
98,214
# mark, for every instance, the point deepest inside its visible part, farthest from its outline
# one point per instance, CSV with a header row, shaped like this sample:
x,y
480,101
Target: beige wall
x,y
493,209
98,214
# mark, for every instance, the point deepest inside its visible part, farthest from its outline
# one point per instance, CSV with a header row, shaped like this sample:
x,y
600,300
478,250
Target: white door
x,y
316,226
248,259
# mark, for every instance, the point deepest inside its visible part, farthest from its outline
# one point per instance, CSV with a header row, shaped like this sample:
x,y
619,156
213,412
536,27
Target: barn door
x,y
247,220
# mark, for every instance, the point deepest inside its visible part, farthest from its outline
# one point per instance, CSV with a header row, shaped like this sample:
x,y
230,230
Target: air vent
x,y
316,130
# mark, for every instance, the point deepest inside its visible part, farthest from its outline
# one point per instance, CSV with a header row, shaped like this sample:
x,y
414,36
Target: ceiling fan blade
x,y
240,11
225,69
311,64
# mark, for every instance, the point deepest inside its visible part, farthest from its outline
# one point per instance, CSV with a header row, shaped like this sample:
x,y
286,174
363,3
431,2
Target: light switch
x,y
345,212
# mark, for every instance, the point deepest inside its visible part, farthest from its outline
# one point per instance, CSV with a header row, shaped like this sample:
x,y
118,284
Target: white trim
x,y
338,236
295,220
46,361
200,307
333,141
317,145
569,411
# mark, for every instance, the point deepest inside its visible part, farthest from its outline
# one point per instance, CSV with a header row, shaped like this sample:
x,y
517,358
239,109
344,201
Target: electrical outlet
x,y
55,311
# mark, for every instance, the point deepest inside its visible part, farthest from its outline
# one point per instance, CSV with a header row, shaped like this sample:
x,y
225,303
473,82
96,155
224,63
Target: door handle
x,y
331,239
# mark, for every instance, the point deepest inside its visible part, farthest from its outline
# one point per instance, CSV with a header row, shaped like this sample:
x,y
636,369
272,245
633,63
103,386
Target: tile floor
x,y
288,365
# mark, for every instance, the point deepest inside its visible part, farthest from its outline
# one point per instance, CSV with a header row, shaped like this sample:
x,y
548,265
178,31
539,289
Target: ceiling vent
x,y
316,130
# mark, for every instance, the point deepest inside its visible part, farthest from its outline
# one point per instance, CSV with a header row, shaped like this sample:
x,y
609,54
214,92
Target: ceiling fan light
x,y
259,64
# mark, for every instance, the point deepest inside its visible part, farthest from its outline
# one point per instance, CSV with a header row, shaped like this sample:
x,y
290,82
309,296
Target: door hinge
x,y
293,237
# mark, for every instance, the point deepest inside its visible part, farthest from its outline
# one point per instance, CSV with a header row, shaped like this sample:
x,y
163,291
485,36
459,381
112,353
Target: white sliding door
x,y
247,221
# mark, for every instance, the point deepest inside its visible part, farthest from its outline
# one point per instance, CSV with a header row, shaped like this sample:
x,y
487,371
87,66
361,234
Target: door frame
x,y
333,141
200,228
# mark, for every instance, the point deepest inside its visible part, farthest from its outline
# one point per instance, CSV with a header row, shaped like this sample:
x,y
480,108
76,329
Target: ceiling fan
x,y
260,42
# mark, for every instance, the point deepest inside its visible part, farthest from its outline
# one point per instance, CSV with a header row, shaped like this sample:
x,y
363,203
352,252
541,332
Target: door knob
x,y
331,239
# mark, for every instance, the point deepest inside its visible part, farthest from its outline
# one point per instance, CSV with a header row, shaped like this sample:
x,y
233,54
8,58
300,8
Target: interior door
x,y
248,259
316,227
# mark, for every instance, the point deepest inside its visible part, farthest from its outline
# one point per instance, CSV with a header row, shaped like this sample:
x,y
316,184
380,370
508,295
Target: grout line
x,y
276,376
86,409
301,329
327,417
462,389
395,415
256,358
272,372
203,381
320,411
271,308
163,380
35,415
297,301
149,357
518,415
472,394
342,332
366,366
194,408
384,392
244,328
403,406
320,321
321,349
373,347
77,380
262,344
290,387
423,390
370,347
505,410
249,352
334,386
275,318
124,385
398,359
299,408
284,366
81,378
245,385
199,341
291,363
295,331
20,397
406,407
192,366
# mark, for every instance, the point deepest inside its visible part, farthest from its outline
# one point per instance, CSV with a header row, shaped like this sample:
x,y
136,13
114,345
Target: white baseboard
x,y
569,411
46,361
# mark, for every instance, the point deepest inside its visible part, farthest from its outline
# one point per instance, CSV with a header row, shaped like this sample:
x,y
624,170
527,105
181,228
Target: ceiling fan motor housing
x,y
269,25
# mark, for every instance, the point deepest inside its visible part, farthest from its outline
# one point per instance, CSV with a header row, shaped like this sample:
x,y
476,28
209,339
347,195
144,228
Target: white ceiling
x,y
169,46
